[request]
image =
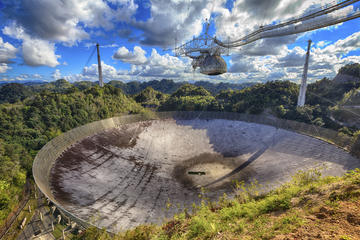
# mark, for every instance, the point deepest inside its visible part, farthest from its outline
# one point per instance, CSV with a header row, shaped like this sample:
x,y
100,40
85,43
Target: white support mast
x,y
101,83
302,92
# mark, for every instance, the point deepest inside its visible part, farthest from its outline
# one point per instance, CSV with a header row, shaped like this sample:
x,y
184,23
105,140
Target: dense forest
x,y
33,114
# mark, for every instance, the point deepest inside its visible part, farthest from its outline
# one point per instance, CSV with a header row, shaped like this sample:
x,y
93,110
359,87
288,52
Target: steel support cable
x,y
332,102
89,59
187,48
281,25
300,19
312,123
289,21
312,15
297,29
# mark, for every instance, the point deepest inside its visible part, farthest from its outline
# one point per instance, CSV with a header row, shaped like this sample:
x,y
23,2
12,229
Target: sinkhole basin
x,y
122,172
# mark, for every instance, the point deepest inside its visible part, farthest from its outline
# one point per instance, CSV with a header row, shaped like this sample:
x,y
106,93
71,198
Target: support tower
x,y
302,92
101,83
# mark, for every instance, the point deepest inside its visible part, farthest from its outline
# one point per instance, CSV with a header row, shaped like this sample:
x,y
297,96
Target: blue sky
x,y
51,39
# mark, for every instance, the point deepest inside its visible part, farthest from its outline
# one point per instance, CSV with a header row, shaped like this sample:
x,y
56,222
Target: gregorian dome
x,y
210,64
213,65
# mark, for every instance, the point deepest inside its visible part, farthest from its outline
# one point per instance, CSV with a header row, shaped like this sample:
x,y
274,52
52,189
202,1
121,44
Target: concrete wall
x,y
47,156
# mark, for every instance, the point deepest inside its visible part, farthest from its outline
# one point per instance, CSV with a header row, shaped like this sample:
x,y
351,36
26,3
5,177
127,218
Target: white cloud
x,y
322,44
56,74
344,46
92,45
35,51
230,23
162,66
257,13
107,70
241,64
293,58
7,51
165,61
4,67
136,57
14,31
288,65
40,29
36,75
64,21
172,20
91,74
156,65
39,24
114,45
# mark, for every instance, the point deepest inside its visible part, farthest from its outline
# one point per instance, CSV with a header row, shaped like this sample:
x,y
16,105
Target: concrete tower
x,y
302,92
101,83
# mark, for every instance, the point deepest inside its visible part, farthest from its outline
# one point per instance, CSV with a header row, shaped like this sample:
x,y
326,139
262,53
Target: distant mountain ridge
x,y
18,90
27,83
169,86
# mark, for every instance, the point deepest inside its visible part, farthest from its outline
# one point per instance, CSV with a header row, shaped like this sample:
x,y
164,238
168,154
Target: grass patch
x,y
288,223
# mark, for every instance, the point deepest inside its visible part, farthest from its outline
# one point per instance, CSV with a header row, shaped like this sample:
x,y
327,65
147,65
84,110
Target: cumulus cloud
x,y
67,22
40,24
56,74
288,65
35,51
230,23
158,65
136,57
7,51
268,46
281,62
241,64
172,20
4,67
293,58
107,70
90,73
334,56
257,13
39,28
36,75
344,46
91,45
322,44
